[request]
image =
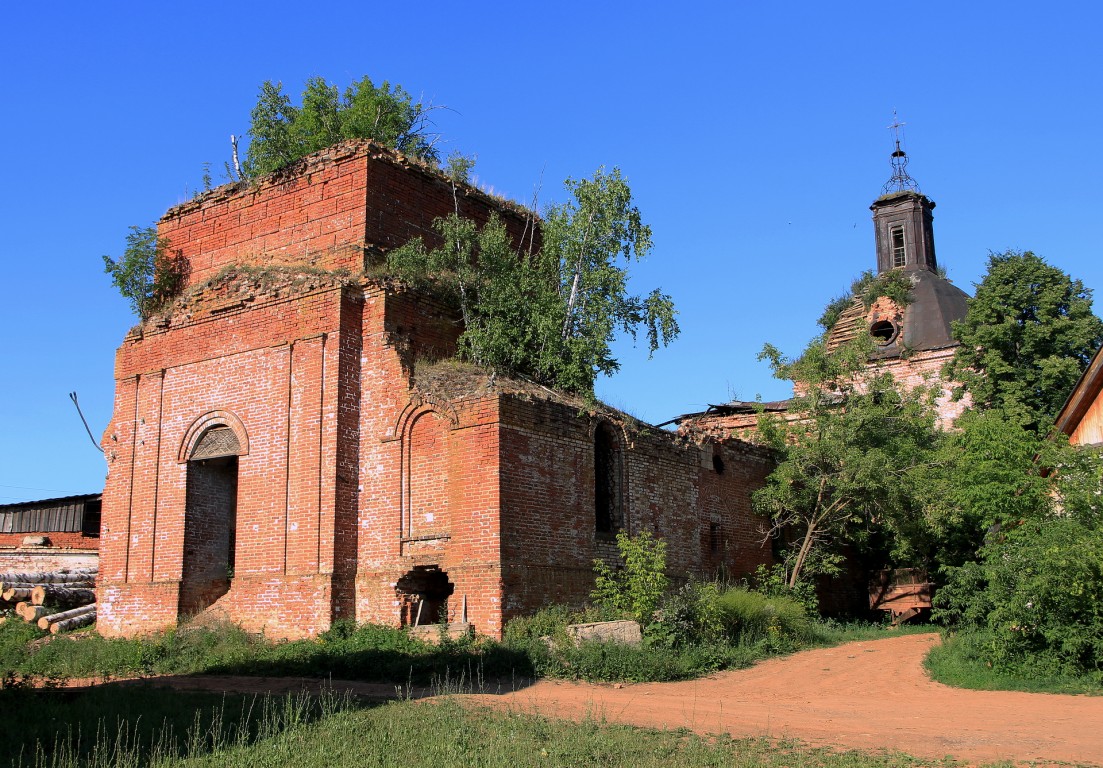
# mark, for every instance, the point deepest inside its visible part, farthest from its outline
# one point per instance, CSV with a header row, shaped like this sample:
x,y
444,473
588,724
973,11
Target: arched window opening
x,y
608,516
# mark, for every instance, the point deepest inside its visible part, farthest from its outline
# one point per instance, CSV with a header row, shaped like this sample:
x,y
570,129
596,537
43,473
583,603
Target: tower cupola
x,y
902,219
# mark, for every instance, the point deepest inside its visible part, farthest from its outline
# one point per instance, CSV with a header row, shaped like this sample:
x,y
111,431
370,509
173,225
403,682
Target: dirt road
x,y
865,695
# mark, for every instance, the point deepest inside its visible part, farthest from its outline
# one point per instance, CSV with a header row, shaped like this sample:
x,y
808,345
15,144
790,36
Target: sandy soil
x,y
866,695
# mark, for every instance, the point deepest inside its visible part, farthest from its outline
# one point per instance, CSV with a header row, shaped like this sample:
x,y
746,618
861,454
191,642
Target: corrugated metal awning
x,y
49,515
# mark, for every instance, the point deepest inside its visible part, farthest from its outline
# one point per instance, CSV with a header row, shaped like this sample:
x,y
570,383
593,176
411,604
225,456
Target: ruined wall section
x,y
672,488
429,474
330,211
925,369
272,370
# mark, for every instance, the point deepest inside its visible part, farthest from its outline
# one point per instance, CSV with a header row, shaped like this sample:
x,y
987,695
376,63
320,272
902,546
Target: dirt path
x,y
865,695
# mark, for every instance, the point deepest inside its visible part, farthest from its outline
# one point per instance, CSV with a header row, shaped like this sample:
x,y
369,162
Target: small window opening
x,y
717,464
899,254
883,332
607,503
90,525
714,537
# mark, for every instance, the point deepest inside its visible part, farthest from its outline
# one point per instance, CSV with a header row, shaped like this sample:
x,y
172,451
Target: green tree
x,y
846,455
637,588
550,315
282,133
148,274
984,474
1035,592
491,284
585,241
1029,334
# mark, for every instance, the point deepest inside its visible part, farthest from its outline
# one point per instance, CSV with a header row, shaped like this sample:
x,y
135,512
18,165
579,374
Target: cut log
x,y
16,594
76,622
45,621
32,613
62,596
50,577
6,585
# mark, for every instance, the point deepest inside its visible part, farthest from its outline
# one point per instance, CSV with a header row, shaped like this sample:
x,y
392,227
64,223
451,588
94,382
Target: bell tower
x,y
902,219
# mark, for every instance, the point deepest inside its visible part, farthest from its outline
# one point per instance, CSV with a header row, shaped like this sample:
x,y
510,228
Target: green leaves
x,y
148,275
585,241
282,133
637,588
1029,334
847,454
551,315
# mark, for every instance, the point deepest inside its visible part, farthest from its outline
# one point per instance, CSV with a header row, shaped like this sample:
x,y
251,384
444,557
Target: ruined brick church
x,y
289,446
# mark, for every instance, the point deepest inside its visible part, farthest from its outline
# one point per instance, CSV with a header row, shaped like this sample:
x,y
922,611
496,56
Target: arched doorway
x,y
210,519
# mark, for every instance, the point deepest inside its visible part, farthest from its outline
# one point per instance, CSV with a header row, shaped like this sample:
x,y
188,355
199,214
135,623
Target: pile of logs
x,y
54,600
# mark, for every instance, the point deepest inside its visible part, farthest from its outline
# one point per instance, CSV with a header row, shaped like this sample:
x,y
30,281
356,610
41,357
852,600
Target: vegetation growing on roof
x,y
148,274
868,287
281,132
550,315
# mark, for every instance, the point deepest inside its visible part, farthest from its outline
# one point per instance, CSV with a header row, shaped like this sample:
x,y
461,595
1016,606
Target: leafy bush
x,y
637,588
1047,591
688,616
1037,594
773,581
550,622
779,623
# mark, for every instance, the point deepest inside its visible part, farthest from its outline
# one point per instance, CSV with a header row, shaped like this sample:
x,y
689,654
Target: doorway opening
x,y
210,522
423,594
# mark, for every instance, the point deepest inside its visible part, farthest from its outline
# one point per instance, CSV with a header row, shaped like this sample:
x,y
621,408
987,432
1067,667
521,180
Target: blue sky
x,y
754,136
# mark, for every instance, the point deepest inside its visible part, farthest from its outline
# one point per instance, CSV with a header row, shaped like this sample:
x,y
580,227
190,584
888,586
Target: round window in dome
x,y
883,332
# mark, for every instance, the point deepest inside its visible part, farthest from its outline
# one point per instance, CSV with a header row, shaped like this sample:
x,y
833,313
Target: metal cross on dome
x,y
900,180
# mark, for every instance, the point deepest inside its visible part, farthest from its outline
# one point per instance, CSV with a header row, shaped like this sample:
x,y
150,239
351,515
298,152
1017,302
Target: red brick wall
x,y
58,539
45,558
672,490
324,212
276,368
